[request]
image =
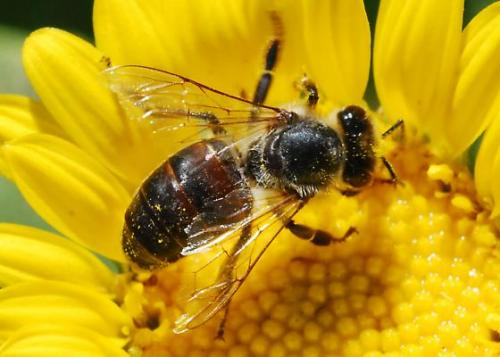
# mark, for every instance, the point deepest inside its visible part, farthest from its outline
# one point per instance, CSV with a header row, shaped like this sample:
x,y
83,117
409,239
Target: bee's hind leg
x,y
226,272
222,324
271,59
266,78
317,236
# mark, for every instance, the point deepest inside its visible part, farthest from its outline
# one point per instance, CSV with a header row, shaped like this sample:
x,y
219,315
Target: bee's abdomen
x,y
192,190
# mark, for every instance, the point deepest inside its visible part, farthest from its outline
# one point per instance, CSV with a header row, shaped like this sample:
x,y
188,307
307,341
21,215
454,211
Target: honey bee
x,y
244,183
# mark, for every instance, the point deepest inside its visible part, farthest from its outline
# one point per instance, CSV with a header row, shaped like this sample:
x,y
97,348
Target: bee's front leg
x,y
317,236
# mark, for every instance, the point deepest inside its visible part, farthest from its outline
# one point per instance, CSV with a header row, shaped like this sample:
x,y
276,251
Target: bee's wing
x,y
234,259
167,101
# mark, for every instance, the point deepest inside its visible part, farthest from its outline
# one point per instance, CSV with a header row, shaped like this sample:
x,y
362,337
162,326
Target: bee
x,y
244,183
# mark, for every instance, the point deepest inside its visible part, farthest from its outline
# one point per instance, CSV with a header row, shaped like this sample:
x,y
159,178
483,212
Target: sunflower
x,y
420,277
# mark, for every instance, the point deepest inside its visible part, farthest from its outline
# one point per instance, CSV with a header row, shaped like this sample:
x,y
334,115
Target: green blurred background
x,y
18,18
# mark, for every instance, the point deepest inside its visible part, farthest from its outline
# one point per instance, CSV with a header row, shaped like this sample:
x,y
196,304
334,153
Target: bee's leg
x,y
271,59
308,87
394,179
227,271
266,78
317,236
106,61
313,97
399,124
222,324
350,193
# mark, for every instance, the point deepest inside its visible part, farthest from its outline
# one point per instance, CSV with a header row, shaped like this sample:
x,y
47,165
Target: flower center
x,y
421,276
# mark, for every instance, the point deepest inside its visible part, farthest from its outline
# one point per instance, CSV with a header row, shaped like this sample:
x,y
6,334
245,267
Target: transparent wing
x,y
167,101
234,257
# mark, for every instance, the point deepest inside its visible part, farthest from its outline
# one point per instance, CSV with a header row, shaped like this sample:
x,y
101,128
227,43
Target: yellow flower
x,y
421,277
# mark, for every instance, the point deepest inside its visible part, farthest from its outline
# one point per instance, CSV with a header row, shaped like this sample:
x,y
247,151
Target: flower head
x,y
419,277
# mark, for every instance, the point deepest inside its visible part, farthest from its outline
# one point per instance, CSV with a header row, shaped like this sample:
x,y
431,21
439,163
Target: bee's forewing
x,y
167,101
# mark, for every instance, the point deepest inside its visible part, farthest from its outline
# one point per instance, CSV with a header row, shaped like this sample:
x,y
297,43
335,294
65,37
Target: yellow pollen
x,y
440,172
463,202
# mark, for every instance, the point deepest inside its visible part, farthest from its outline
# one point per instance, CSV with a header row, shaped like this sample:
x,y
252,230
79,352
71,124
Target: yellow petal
x,y
20,116
66,73
224,44
4,168
218,43
140,43
476,101
60,340
487,168
41,302
70,190
417,46
28,253
337,42
494,191
488,156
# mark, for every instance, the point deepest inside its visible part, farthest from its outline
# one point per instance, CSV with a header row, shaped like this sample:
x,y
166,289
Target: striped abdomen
x,y
197,193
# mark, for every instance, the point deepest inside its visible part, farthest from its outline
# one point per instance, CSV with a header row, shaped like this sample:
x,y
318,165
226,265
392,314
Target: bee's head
x,y
358,141
306,153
